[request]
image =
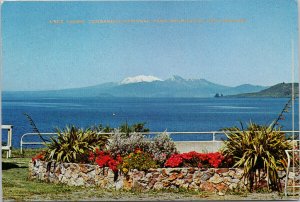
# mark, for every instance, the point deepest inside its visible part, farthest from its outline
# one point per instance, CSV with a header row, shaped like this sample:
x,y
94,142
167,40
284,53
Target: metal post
x,y
7,144
10,141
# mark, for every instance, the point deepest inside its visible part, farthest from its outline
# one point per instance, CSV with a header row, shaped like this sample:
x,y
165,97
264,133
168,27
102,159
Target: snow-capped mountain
x,y
146,86
140,78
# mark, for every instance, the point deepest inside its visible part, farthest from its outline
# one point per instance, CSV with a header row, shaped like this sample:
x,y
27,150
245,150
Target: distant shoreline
x,y
173,88
8,98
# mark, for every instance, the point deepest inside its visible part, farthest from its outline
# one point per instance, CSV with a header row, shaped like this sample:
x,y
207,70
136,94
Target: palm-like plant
x,y
257,148
137,127
73,144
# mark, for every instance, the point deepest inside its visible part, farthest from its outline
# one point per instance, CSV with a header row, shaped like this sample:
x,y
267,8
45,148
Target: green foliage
x,y
73,144
101,129
137,160
257,148
137,127
123,128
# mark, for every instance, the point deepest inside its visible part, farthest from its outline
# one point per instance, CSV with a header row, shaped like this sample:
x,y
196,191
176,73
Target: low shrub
x,y
162,147
119,144
137,160
195,159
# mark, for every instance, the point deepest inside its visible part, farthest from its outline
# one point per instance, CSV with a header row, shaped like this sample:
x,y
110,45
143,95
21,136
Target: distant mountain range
x,y
278,90
145,86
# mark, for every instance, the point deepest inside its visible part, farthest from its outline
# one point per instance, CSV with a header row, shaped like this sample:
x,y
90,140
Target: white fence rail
x,y
212,134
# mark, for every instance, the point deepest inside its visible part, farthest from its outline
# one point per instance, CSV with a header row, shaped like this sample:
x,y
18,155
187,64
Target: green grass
x,y
27,153
17,186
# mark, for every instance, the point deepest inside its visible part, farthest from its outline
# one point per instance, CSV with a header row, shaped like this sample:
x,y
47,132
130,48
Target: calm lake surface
x,y
171,114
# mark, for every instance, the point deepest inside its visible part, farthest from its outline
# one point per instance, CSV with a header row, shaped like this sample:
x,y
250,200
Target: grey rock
x,y
119,184
235,181
233,186
158,185
79,182
205,176
216,179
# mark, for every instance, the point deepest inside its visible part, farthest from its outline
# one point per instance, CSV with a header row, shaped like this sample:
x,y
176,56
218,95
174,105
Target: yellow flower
x,y
125,170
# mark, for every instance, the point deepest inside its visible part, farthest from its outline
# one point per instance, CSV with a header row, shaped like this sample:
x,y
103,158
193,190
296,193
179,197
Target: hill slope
x,y
277,91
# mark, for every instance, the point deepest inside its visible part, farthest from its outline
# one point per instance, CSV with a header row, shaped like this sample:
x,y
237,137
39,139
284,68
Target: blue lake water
x,y
171,114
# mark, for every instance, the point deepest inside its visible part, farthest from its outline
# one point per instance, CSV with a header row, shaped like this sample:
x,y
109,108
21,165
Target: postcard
x,y
150,100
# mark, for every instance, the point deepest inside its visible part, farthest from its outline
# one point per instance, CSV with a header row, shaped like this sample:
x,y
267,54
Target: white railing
x,y
22,142
212,133
8,146
292,155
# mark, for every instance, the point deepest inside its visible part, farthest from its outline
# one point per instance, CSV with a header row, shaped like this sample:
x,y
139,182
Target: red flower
x,y
137,151
104,159
112,164
215,159
92,156
99,153
174,161
187,156
202,157
119,159
195,159
38,157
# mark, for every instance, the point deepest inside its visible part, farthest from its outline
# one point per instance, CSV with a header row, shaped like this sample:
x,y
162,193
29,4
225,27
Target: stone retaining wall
x,y
207,179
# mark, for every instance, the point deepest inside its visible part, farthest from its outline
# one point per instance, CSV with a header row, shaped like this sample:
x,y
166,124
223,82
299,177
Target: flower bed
x,y
207,179
130,160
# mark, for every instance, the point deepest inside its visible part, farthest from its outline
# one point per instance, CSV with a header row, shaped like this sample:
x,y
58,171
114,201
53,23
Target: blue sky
x,y
38,55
